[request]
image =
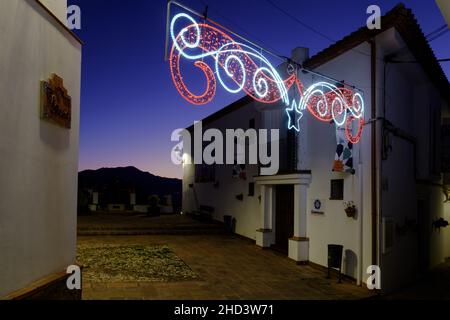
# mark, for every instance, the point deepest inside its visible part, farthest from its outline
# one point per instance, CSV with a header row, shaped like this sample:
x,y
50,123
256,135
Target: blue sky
x,y
129,106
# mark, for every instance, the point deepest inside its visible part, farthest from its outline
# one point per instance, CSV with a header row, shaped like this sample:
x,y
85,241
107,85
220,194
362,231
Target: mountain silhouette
x,y
115,184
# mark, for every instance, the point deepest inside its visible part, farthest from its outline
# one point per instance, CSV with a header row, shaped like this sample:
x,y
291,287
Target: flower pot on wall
x,y
351,213
350,209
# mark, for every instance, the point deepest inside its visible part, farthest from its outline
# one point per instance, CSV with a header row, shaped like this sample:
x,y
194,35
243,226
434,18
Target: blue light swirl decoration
x,y
253,74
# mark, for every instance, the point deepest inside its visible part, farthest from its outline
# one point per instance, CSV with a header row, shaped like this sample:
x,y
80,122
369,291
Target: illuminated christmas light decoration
x,y
348,130
197,42
291,112
328,102
238,67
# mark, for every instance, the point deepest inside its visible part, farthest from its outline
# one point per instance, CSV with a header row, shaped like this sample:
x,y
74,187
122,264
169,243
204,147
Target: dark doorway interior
x,y
284,217
423,236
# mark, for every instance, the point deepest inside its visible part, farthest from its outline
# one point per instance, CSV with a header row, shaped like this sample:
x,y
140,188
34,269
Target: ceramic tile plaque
x,y
56,104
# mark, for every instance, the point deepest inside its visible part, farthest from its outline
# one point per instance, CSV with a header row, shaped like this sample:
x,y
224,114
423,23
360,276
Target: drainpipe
x,y
374,182
300,55
361,215
374,177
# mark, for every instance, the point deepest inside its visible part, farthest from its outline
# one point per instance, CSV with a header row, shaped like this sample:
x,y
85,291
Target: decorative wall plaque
x,y
318,206
56,104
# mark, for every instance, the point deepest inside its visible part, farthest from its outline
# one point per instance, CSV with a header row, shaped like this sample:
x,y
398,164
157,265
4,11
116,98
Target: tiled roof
x,y
404,21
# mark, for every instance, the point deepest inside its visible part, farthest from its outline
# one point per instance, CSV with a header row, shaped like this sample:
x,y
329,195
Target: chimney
x,y
300,54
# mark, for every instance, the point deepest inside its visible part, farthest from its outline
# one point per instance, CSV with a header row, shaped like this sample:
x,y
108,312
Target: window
x,y
252,124
435,143
205,173
337,189
388,234
251,189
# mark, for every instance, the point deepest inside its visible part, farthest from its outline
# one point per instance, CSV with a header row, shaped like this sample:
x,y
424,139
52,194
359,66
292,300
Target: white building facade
x,y
39,159
397,182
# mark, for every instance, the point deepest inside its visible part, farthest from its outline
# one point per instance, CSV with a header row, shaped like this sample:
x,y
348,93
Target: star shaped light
x,y
291,112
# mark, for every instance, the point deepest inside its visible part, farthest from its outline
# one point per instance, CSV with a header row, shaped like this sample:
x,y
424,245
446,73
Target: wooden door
x,y
284,216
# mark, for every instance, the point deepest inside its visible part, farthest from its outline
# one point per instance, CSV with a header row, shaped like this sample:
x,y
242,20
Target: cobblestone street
x,y
228,267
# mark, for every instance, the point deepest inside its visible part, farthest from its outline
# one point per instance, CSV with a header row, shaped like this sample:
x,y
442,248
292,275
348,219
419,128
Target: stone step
x,y
157,227
149,231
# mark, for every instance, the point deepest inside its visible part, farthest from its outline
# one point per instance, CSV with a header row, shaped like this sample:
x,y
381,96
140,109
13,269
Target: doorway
x,y
284,217
423,236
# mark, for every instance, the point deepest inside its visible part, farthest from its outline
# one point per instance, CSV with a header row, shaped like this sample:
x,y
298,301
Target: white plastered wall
x,y
334,227
223,196
39,160
57,7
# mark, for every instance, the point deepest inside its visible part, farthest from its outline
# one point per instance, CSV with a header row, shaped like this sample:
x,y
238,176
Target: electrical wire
x,y
246,32
242,30
300,22
305,25
415,61
439,32
259,45
437,36
443,27
286,59
430,37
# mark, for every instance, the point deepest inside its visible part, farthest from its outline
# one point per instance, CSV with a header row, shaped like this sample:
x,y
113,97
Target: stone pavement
x,y
433,286
229,267
140,224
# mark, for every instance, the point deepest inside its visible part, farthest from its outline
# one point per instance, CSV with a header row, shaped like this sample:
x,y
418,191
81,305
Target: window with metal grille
x,y
251,189
337,189
252,124
205,173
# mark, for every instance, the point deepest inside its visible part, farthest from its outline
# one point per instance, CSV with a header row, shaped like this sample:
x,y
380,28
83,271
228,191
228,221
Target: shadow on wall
x,y
230,223
58,138
350,263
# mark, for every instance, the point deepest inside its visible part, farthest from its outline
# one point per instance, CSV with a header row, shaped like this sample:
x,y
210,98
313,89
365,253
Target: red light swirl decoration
x,y
232,60
250,72
326,102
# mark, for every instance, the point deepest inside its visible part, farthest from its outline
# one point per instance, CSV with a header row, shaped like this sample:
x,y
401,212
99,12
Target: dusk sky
x,y
129,106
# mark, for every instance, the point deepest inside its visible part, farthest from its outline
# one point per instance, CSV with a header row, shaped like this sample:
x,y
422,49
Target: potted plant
x,y
153,208
350,209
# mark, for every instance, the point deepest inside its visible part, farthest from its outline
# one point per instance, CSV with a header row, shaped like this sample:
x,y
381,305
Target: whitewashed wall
x,y
446,231
57,7
334,227
409,98
223,197
406,99
39,161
